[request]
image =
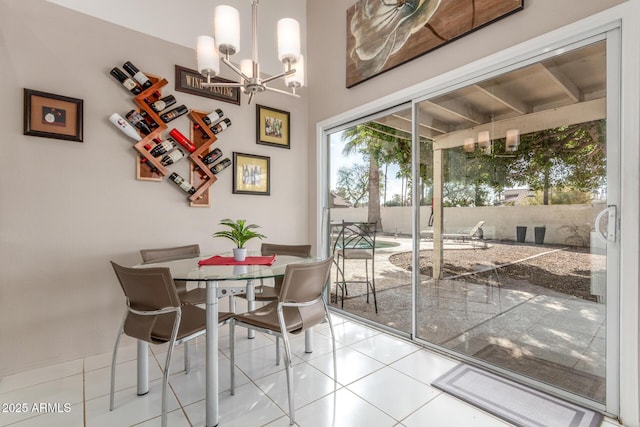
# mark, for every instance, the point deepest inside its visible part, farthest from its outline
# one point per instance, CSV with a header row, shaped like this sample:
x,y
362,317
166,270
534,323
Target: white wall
x,y
564,224
67,208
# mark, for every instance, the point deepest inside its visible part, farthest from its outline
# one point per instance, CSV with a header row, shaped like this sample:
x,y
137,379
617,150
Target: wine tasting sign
x,y
190,81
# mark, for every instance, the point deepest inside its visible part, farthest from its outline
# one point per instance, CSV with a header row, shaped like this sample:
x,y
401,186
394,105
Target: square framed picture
x,y
272,127
52,116
251,174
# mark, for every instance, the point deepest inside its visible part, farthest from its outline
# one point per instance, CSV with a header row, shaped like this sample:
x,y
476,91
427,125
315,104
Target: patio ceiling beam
x,y
561,80
501,95
562,116
429,130
462,110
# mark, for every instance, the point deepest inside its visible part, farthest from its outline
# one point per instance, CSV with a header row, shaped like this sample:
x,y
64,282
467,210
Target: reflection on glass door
x,y
370,219
513,254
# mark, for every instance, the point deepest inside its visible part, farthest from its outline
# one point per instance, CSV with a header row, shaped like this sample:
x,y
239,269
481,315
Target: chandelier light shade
x,y
296,79
207,56
227,29
513,139
469,145
227,43
484,141
246,66
288,40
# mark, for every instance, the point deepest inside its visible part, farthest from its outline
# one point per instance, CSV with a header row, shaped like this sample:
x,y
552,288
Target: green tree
x,y
378,144
353,184
570,156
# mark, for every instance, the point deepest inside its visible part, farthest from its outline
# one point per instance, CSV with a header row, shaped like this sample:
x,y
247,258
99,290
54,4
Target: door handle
x,y
610,233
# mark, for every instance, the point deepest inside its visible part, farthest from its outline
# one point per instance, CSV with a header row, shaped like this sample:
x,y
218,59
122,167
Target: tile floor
x,y
382,381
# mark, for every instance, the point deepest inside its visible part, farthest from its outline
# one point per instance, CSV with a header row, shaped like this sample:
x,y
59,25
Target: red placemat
x,y
228,260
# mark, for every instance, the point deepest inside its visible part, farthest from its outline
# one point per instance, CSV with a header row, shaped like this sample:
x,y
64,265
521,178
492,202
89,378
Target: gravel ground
x,y
563,269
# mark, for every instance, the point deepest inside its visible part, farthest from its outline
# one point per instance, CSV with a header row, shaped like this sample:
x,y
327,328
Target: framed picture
x,y
272,127
251,174
382,35
52,116
190,81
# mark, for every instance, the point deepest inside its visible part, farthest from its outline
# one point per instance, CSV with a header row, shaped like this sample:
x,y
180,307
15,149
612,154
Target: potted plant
x,y
239,232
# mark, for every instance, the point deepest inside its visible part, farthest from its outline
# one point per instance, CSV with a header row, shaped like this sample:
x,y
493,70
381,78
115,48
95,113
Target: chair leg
x,y
277,351
366,278
289,367
187,360
113,365
232,345
167,367
373,283
333,343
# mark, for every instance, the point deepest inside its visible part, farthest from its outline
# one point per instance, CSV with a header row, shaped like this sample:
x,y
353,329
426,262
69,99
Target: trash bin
x,y
539,234
521,233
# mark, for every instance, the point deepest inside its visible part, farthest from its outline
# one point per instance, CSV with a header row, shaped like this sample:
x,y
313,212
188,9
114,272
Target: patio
x,y
494,309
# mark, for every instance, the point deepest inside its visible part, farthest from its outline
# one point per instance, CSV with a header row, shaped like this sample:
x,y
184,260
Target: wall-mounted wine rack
x,y
201,177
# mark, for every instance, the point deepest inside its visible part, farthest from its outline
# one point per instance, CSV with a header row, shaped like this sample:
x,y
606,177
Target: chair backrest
x,y
146,289
169,254
356,235
305,283
302,251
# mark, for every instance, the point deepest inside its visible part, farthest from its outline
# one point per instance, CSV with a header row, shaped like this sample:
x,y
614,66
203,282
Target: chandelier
x,y
226,42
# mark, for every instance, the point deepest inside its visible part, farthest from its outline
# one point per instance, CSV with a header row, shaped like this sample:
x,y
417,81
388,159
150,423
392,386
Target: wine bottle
x,y
163,147
138,75
138,121
172,156
150,122
127,82
124,126
163,103
183,140
204,134
219,167
220,126
180,182
212,156
174,114
212,117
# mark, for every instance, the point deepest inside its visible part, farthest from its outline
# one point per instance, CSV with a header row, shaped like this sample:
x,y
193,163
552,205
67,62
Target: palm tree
x,y
379,144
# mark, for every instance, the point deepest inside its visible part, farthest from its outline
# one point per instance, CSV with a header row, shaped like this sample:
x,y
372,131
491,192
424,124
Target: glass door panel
x,y
369,182
512,262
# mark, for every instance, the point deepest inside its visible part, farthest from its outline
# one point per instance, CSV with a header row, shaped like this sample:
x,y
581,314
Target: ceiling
x,y
178,23
563,90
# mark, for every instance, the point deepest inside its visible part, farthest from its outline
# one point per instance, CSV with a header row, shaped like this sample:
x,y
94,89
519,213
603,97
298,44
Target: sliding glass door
x,y
494,204
513,261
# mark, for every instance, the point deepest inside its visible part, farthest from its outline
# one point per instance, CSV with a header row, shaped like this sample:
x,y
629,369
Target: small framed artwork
x,y
251,174
52,116
272,127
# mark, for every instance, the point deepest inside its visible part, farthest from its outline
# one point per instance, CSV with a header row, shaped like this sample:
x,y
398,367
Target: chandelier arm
x,y
271,89
234,69
278,76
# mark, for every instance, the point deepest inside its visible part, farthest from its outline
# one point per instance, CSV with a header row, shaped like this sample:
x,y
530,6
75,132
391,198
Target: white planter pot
x,y
239,254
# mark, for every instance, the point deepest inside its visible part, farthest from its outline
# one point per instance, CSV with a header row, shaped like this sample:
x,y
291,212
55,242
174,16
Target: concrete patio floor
x,y
537,332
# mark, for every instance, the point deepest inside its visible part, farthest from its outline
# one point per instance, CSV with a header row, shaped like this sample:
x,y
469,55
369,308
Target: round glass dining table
x,y
219,281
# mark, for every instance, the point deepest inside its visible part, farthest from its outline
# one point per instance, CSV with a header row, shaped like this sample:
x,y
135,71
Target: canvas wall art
x,y
382,34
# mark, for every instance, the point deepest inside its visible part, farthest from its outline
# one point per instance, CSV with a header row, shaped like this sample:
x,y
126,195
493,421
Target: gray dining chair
x,y
194,296
156,315
299,306
265,293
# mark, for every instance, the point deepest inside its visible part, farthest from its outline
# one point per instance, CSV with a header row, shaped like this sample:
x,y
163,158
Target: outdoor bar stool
x,y
356,241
